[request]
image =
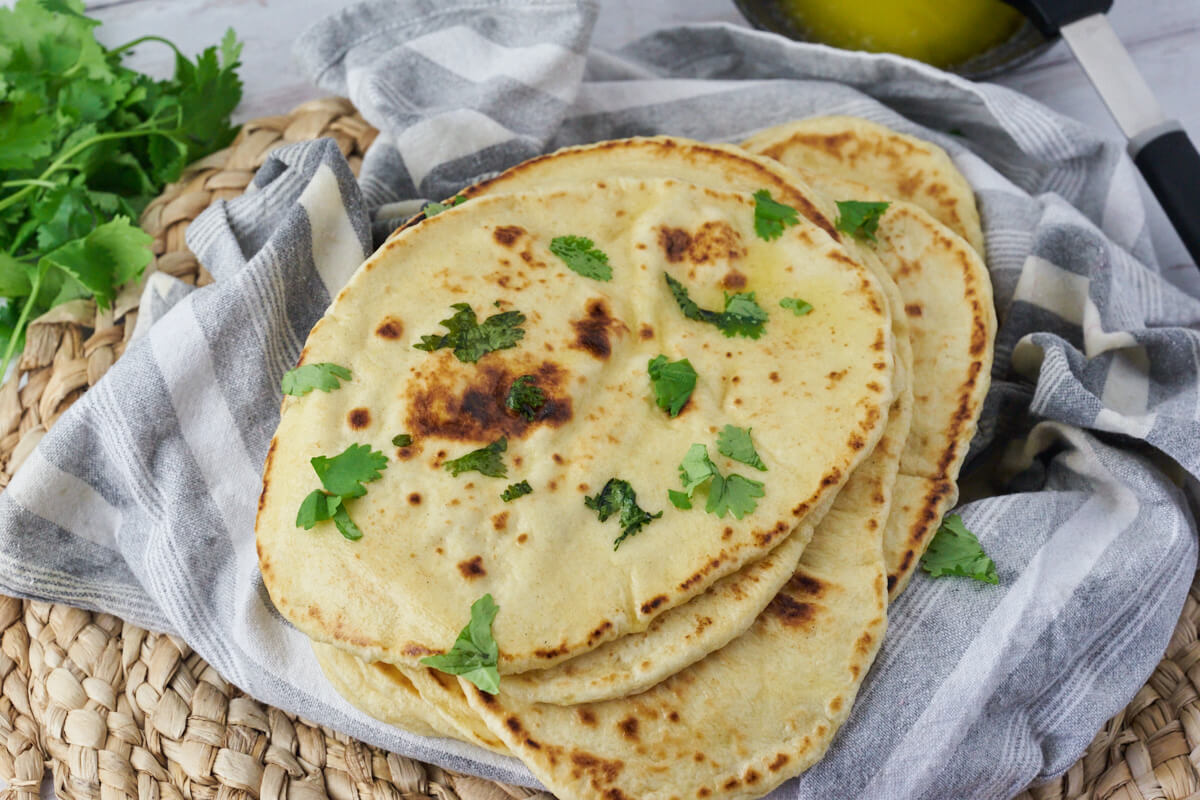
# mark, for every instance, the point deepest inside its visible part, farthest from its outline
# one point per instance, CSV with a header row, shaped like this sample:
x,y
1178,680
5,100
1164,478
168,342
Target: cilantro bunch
x,y
85,144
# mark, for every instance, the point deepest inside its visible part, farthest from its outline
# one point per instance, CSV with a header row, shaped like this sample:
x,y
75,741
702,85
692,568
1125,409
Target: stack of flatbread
x,y
686,592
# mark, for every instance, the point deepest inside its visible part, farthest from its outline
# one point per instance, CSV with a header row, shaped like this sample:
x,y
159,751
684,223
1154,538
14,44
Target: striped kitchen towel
x,y
141,500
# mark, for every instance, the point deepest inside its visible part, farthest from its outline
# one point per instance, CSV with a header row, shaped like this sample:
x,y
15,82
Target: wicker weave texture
x,y
119,712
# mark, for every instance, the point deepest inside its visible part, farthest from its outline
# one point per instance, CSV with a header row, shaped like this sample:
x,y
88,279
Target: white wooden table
x,y
1163,35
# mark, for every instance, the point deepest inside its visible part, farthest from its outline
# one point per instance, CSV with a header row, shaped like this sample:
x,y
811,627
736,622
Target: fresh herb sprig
x,y
471,340
771,216
956,551
324,376
618,497
673,383
516,490
525,398
475,654
342,477
486,460
85,144
859,218
743,316
734,493
580,255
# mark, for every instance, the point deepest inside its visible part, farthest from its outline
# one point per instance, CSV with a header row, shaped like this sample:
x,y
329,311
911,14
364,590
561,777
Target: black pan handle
x,y
1169,162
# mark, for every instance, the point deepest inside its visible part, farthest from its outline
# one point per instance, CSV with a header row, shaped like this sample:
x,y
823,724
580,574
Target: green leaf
x,y
743,316
696,468
956,551
402,440
345,525
799,307
105,259
580,255
516,490
733,494
524,398
485,460
771,217
475,654
324,376
679,499
735,443
673,383
433,209
470,340
231,49
345,473
860,219
63,7
318,506
618,496
15,277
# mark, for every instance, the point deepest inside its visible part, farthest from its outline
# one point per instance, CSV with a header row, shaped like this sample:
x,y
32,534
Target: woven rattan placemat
x,y
116,711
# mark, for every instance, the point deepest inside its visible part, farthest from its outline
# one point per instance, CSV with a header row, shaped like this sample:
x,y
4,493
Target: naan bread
x,y
434,543
758,711
894,164
947,296
685,634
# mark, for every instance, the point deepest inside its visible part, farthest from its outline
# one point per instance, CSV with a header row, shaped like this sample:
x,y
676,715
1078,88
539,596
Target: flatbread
x,y
433,543
947,295
749,716
900,166
685,634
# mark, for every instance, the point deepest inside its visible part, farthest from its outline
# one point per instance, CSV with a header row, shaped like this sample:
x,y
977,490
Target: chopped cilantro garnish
x,y
471,340
742,316
725,494
516,490
485,460
475,653
679,499
673,382
956,551
524,398
735,442
771,217
343,477
402,440
696,469
733,493
618,496
860,219
345,473
324,376
580,255
799,307
433,209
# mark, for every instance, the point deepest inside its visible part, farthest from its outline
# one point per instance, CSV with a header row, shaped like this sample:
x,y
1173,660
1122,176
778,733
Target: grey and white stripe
x,y
141,500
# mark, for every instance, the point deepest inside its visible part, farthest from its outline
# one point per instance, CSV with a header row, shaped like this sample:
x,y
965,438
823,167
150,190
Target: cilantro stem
x,y
136,42
63,160
22,321
30,182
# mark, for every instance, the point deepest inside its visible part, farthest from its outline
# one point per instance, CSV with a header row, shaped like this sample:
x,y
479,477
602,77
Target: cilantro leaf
x,y
618,497
799,307
735,442
743,316
771,217
860,219
580,255
956,551
318,506
324,376
433,209
696,468
475,653
725,494
734,493
524,398
679,499
516,490
485,460
402,440
673,383
345,525
470,340
345,473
